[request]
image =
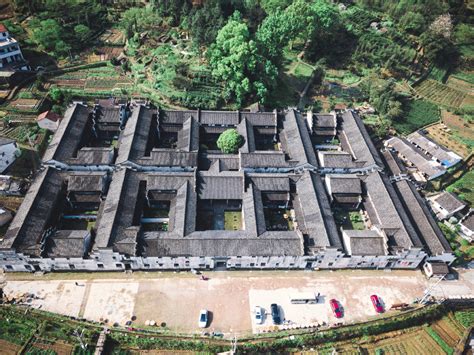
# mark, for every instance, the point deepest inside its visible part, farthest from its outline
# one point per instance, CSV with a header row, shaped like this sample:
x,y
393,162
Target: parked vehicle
x,y
275,314
336,309
377,303
203,318
258,314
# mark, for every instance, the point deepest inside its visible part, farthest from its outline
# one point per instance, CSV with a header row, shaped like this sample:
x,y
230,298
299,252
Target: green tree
x,y
204,22
413,22
230,141
82,32
48,35
235,60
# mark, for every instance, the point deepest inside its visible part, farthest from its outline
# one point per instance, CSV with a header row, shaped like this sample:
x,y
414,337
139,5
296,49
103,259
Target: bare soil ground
x,y
8,348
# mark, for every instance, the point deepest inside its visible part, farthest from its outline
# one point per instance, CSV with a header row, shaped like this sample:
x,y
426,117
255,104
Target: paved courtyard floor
x,y
230,297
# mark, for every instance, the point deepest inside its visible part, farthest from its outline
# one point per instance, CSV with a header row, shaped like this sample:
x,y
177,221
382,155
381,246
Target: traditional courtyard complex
x,y
129,186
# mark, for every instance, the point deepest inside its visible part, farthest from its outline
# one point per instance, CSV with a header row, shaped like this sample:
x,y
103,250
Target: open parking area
x,y
176,298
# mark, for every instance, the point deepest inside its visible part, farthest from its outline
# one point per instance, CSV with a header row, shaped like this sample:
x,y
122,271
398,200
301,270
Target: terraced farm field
x,y
448,330
442,94
417,342
93,80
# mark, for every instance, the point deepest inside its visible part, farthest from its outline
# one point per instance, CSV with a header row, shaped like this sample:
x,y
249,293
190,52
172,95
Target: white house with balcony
x,y
10,52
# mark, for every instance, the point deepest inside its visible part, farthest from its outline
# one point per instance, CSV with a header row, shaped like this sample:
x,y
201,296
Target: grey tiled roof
x,y
260,118
134,137
394,164
421,218
316,218
325,120
356,140
336,159
223,243
68,136
469,222
386,212
263,160
449,201
365,242
86,181
270,182
24,233
223,186
227,118
428,167
344,184
67,243
177,117
296,140
93,156
446,157
168,157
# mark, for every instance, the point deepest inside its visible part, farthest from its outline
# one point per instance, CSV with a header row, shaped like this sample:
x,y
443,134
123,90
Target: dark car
x,y
336,309
275,314
377,304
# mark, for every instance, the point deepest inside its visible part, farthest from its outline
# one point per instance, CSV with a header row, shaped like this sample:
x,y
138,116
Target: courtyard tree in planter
x,y
230,141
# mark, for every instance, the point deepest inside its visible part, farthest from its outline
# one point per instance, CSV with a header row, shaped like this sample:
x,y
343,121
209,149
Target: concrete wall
x,y
107,260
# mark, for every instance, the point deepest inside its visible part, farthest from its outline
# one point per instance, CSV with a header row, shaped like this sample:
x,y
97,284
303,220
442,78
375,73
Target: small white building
x,y
435,268
466,227
8,153
49,120
446,204
11,56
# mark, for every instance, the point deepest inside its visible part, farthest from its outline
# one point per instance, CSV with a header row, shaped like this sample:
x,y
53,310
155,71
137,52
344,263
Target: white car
x,y
203,318
258,311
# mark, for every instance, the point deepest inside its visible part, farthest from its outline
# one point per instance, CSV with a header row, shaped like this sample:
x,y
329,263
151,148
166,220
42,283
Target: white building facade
x,y
10,52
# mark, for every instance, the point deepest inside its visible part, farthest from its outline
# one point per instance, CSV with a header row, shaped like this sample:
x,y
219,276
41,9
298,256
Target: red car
x,y
335,308
377,304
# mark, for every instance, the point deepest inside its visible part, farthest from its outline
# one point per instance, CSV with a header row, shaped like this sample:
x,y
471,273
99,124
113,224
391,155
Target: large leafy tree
x,y
48,34
236,61
230,141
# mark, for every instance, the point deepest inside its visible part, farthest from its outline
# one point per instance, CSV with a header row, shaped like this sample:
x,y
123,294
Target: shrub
x,y
230,141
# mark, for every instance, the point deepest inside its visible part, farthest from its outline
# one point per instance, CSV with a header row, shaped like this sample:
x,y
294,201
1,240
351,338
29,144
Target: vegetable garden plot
x,y
440,93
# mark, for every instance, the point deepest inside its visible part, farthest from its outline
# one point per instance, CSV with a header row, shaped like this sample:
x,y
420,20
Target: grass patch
x,y
418,113
440,341
356,220
303,70
232,220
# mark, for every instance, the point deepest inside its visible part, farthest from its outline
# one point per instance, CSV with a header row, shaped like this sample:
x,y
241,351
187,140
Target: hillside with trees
x,y
306,53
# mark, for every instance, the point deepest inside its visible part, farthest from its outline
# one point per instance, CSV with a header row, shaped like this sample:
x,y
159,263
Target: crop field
x,y
59,348
93,80
449,331
416,342
442,94
419,113
113,37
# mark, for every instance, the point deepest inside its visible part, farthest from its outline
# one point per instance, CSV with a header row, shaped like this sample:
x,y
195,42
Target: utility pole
x,y
234,345
79,337
430,289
